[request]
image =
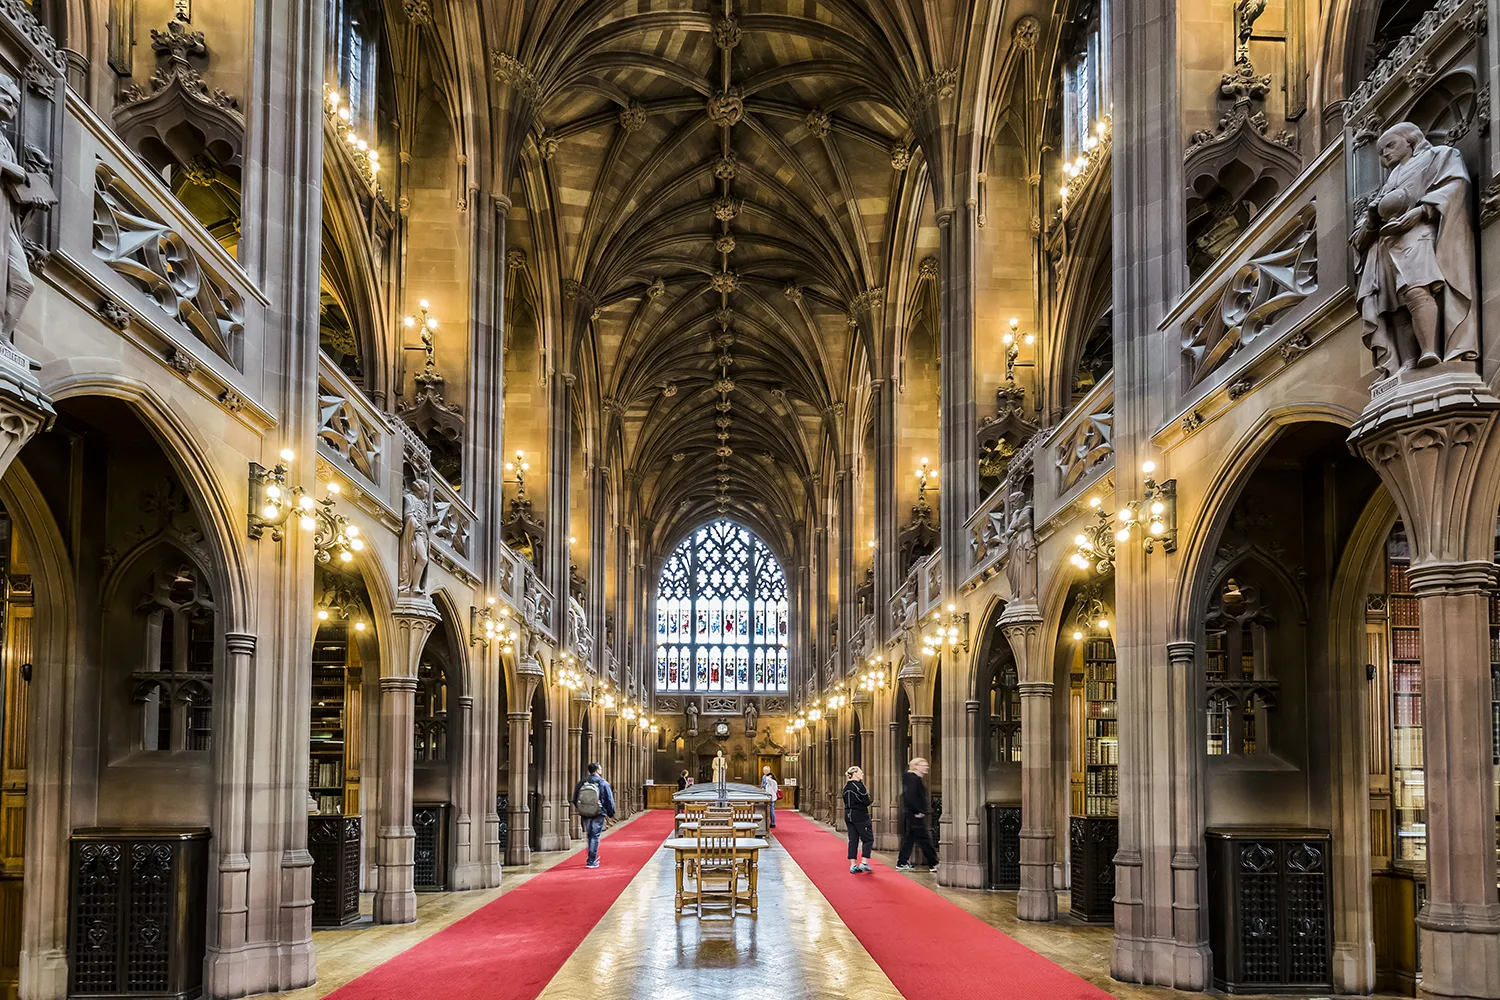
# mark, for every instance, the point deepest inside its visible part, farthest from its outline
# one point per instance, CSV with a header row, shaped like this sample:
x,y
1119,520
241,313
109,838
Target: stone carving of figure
x,y
692,718
721,776
530,598
416,539
1020,564
752,716
24,190
1416,257
910,637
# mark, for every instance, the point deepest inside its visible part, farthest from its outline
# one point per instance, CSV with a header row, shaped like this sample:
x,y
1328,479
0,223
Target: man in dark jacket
x,y
917,807
595,802
857,819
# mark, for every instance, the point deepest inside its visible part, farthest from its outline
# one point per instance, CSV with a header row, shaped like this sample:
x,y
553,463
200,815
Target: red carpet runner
x,y
930,949
511,948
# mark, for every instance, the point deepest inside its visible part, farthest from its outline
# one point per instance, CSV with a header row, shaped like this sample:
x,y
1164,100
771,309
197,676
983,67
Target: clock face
x,y
721,729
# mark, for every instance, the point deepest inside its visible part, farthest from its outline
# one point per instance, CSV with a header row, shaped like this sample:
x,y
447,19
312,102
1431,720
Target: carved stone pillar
x,y
1022,627
1439,455
921,738
888,830
395,892
574,768
462,736
232,801
518,843
886,556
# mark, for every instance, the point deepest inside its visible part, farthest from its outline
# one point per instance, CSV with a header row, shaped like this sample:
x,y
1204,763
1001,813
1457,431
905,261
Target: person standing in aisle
x,y
595,802
770,787
857,820
916,806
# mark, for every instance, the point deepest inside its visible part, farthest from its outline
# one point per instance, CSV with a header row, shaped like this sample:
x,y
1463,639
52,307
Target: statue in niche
x,y
24,190
416,539
752,716
1020,564
1415,246
910,635
692,718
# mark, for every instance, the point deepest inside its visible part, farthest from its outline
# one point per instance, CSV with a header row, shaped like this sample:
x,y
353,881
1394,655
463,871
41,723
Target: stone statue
x,y
1020,563
721,776
911,639
692,718
531,598
752,716
1415,245
416,540
24,190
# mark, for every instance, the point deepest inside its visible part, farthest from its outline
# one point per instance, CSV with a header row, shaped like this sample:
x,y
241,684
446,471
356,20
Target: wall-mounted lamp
x,y
926,480
950,630
1013,339
520,467
1090,615
873,679
273,503
1154,517
486,624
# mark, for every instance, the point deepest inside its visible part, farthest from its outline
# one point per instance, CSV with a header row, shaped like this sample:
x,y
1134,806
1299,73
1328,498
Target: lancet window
x,y
721,615
1241,687
174,683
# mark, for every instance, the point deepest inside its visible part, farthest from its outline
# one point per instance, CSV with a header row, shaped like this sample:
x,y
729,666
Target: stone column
x,y
574,771
1022,627
395,846
888,830
559,499
230,848
462,739
886,555
599,530
1436,448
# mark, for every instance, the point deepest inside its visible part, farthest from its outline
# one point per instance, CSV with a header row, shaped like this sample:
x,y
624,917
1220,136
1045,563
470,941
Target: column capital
x,y
1182,651
240,643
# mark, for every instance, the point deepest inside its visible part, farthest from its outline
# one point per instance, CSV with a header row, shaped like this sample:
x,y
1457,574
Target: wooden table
x,y
742,828
749,847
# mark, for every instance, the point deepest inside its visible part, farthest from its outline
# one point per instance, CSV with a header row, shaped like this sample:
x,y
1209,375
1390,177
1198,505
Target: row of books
x,y
1101,805
331,805
327,774
1100,691
1406,644
1102,782
1407,748
1101,752
1093,728
1408,709
1405,612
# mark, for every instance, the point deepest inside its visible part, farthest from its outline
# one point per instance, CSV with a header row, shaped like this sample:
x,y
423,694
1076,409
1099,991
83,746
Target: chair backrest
x,y
694,810
715,851
744,813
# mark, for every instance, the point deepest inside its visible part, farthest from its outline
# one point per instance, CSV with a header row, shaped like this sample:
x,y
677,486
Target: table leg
x,y
679,882
754,881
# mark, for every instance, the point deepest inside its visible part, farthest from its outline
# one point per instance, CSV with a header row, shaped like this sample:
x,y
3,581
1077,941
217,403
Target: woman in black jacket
x,y
857,819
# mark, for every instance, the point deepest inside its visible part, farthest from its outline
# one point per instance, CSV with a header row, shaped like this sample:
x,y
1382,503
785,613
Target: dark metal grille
x,y
1260,924
1005,846
96,919
147,919
502,809
425,821
1306,904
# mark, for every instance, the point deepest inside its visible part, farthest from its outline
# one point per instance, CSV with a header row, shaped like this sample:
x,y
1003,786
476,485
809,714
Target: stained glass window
x,y
721,609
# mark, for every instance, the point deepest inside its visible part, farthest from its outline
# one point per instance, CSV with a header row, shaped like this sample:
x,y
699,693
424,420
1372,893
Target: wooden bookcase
x,y
1101,730
1408,775
334,751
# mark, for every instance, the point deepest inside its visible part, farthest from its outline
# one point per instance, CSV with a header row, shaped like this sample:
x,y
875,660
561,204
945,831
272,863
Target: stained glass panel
x,y
722,587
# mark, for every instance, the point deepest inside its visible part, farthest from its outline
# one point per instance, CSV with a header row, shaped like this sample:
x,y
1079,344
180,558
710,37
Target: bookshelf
x,y
1101,732
1408,775
333,781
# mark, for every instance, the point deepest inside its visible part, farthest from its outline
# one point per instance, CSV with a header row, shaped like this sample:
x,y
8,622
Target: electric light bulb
x,y
525,466
272,491
410,322
1080,541
1008,339
1095,501
1157,527
352,531
423,303
287,454
1030,339
374,157
953,607
344,113
335,488
1123,535
307,523
1148,467
361,145
1063,191
305,502
268,511
1077,635
322,615
431,323
357,544
1104,623
359,626
1015,323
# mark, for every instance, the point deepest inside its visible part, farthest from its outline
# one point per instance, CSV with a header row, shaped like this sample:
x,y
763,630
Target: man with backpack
x,y
595,802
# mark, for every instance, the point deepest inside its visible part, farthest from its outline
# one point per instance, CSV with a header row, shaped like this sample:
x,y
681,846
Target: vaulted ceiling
x,y
723,189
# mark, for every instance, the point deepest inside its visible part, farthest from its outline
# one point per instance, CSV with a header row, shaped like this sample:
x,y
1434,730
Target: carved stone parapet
x,y
25,410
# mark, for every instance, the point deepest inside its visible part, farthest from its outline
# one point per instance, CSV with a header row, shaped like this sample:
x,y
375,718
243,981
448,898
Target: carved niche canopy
x,y
176,111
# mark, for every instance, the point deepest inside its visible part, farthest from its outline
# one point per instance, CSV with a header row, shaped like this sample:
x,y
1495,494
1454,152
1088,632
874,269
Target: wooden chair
x,y
744,813
717,870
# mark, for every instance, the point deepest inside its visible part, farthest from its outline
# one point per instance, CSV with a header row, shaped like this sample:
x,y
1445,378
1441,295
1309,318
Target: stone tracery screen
x,y
721,615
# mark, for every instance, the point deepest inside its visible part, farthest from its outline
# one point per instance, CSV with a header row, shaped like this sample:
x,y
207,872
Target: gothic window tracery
x,y
1005,716
1241,687
430,728
174,684
721,614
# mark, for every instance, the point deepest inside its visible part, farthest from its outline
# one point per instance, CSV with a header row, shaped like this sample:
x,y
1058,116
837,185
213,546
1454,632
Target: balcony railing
x,y
1072,457
1244,319
133,253
987,527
